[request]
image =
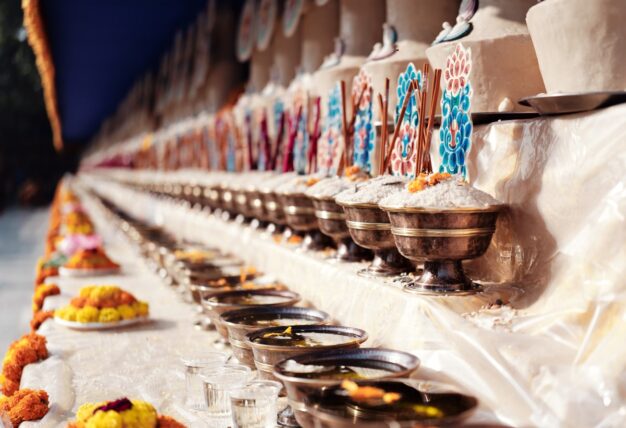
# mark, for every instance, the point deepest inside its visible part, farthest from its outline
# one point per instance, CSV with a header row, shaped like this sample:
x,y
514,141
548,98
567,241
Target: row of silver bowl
x,y
400,238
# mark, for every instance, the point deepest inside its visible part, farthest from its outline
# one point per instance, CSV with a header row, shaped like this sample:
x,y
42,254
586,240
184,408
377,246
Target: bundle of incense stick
x,y
397,125
293,133
424,133
265,139
347,154
279,140
314,136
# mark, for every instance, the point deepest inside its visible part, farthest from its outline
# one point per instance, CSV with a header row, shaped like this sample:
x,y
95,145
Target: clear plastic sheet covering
x,y
553,354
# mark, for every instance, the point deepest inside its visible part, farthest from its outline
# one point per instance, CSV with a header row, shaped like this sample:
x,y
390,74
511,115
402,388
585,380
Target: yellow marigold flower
x,y
130,418
110,419
71,313
86,291
109,315
141,308
87,314
147,415
126,312
104,292
85,411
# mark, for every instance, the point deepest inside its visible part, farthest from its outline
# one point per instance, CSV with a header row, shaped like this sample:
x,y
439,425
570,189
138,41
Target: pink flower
x,y
401,165
362,83
458,67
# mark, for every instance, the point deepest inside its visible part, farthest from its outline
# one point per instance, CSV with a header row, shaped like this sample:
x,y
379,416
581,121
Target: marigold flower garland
x,y
41,292
29,349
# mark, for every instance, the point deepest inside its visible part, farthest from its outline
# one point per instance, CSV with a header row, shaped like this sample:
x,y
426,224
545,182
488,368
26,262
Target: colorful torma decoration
x,y
332,139
403,155
299,121
456,123
364,132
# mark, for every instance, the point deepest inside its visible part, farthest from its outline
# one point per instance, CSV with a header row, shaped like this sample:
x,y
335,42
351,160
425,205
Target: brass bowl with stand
x,y
211,197
275,213
300,216
370,228
442,238
332,222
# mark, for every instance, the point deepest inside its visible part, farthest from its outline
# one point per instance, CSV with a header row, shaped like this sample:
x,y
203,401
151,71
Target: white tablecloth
x,y
138,362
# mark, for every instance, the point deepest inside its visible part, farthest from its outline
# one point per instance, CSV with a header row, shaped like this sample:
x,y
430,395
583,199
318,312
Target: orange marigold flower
x,y
9,387
78,302
39,318
41,292
25,405
168,422
126,298
311,181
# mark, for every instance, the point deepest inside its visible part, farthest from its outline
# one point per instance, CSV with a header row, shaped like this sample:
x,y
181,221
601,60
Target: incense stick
x,y
343,161
381,145
314,136
279,139
384,131
431,118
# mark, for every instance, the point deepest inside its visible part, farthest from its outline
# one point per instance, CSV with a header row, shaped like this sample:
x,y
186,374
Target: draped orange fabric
x,y
39,42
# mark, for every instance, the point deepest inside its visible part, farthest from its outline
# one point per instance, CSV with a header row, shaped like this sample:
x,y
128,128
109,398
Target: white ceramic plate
x,y
99,325
80,273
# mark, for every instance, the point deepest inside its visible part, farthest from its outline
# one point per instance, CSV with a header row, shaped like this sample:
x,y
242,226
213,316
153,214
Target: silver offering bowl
x,y
188,191
216,303
240,202
202,278
442,238
258,209
275,213
227,198
370,228
196,197
266,356
392,364
254,209
243,321
332,407
211,196
300,216
332,222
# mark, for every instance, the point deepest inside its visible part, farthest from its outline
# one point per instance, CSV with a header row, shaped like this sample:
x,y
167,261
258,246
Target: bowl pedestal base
x,y
387,262
349,251
442,277
315,240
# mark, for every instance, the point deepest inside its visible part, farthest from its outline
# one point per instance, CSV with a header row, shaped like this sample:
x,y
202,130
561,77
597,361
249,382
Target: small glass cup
x,y
194,364
254,405
218,383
